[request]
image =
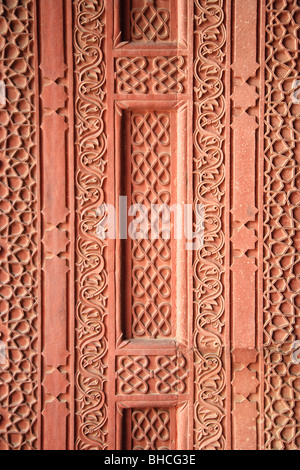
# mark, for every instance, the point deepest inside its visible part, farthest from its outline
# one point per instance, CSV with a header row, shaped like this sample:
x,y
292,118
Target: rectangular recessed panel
x,y
150,21
141,23
151,184
150,159
147,169
148,427
144,21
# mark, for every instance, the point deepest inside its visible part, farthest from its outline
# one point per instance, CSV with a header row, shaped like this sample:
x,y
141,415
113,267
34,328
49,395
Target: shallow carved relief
x,y
18,230
144,374
147,377
151,258
246,166
161,75
149,22
57,249
209,175
151,376
91,278
150,429
281,241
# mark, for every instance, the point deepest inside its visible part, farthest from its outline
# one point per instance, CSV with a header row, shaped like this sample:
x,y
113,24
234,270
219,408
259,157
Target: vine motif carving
x,y
18,230
209,175
91,143
281,241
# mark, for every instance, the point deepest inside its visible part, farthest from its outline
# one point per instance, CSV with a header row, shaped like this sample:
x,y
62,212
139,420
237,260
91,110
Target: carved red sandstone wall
x,y
19,227
209,177
140,344
91,254
281,227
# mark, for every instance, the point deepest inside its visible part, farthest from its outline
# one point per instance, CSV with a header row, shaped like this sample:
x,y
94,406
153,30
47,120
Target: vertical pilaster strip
x,y
246,82
282,227
260,195
227,219
18,229
209,190
91,258
57,243
39,229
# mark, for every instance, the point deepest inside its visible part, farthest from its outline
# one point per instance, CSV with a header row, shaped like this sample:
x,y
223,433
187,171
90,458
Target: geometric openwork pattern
x,y
150,429
282,222
18,230
151,256
150,23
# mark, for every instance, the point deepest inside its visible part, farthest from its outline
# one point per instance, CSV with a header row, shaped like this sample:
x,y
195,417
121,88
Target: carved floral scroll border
x,y
90,108
209,176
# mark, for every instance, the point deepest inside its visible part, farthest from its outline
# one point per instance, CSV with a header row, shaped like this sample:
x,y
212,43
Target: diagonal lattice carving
x,y
131,75
150,429
152,282
144,374
151,269
169,75
151,172
150,320
144,248
171,374
150,23
159,75
150,130
134,374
